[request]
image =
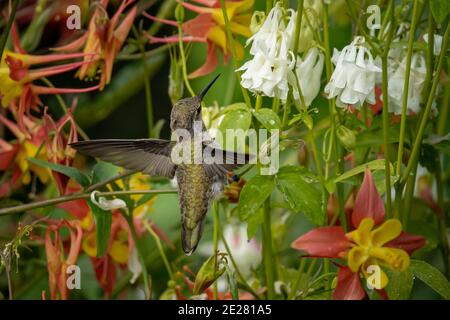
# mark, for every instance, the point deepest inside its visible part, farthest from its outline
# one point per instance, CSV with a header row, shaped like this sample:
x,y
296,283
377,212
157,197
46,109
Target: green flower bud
x,y
210,271
346,136
179,13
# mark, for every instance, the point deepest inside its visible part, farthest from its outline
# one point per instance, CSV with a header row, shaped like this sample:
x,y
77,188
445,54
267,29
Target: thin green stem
x,y
139,248
444,112
412,32
233,51
160,249
54,201
258,103
183,57
268,251
298,278
215,208
147,87
423,123
385,89
7,31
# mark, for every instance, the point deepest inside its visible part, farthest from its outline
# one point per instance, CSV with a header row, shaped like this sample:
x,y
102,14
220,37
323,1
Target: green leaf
x,y
440,9
103,171
253,195
102,220
268,118
432,277
71,172
400,284
232,283
305,117
300,190
235,117
372,165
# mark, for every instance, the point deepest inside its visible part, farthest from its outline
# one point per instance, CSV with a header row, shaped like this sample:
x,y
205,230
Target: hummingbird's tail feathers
x,y
191,237
150,156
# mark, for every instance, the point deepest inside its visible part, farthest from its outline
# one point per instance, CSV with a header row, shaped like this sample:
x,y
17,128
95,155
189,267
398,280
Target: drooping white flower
x,y
267,72
105,204
437,43
353,79
397,81
308,72
134,265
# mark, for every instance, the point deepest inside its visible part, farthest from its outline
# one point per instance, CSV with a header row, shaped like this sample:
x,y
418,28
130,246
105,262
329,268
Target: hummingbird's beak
x,y
205,90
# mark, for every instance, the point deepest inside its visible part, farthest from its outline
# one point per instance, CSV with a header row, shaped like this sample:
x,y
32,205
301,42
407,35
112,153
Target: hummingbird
x,y
198,183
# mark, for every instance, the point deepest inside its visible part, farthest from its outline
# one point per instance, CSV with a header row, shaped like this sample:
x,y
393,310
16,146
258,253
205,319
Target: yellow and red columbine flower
x,y
373,242
103,41
209,27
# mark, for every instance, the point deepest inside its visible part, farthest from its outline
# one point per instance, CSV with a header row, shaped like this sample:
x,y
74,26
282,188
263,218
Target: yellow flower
x,y
369,248
29,150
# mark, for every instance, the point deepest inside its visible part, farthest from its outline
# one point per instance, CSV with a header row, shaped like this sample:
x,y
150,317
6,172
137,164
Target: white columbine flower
x,y
437,43
353,79
267,73
397,82
309,72
105,204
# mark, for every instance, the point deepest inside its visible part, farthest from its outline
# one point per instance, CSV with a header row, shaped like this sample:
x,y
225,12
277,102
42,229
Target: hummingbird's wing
x,y
230,160
150,156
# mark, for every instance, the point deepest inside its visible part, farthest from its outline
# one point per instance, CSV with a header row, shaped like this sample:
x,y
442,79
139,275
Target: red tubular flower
x,y
102,42
56,263
373,242
209,27
17,89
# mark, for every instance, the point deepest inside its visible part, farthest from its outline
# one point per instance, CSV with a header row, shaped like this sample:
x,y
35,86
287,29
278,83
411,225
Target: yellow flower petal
x,y
217,35
388,231
394,258
356,257
240,29
362,235
119,252
89,244
375,277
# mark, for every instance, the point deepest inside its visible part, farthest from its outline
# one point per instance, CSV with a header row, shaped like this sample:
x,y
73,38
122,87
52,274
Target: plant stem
x,y
147,88
147,54
51,202
385,90
268,251
183,58
7,31
334,117
138,243
412,33
215,208
160,249
298,279
258,102
423,123
233,262
442,219
233,52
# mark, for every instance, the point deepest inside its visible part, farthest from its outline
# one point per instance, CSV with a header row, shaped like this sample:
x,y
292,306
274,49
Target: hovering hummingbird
x,y
198,183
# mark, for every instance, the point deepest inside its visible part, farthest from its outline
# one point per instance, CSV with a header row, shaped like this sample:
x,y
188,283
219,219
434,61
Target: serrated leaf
x,y
301,191
400,284
102,220
432,277
253,195
71,172
268,118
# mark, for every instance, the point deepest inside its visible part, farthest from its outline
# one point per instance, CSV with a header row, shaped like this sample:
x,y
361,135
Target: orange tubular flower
x,y
16,78
374,243
102,42
56,262
209,27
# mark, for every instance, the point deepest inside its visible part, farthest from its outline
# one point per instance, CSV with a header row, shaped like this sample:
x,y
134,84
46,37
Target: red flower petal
x,y
326,242
407,242
209,65
348,286
368,203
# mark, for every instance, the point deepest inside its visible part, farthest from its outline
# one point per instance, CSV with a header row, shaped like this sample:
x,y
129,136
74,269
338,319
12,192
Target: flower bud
x,y
179,13
346,136
107,205
257,21
209,272
176,84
